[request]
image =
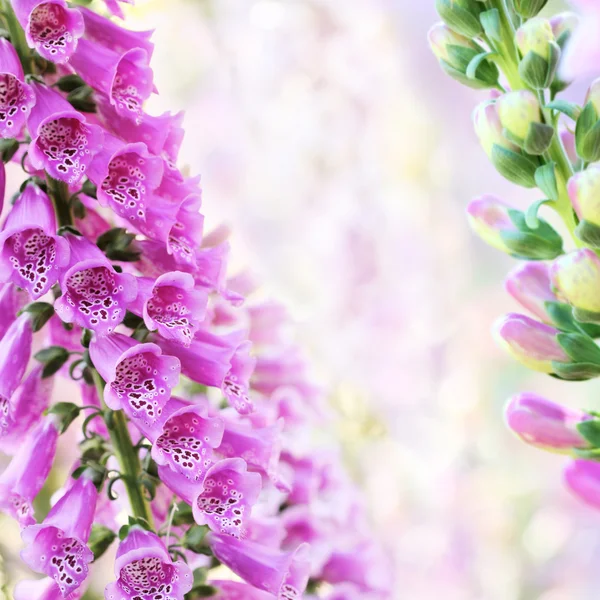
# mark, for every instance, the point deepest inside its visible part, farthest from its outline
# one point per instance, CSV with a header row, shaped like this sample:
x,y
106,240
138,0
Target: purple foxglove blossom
x,y
236,383
260,447
269,323
186,233
532,343
125,79
127,176
12,300
103,31
226,498
139,378
17,97
43,589
207,360
171,306
114,8
24,409
57,546
28,470
365,565
51,27
15,351
287,368
576,276
266,531
31,254
583,479
283,574
94,295
185,443
234,590
545,424
582,54
62,142
530,285
144,569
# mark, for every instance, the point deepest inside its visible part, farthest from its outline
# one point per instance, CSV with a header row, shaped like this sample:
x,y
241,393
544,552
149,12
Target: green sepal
x,y
570,109
462,19
531,216
53,359
490,21
100,539
538,72
473,66
459,59
587,134
586,316
194,538
119,245
590,430
132,321
593,454
579,347
68,83
67,412
82,99
575,372
539,137
545,179
589,233
529,8
183,515
561,315
517,168
201,591
8,148
89,188
41,313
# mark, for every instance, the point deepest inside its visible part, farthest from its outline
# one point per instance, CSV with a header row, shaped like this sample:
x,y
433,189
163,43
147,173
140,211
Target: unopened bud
x,y
587,130
540,52
530,285
505,228
545,424
529,8
582,477
584,192
461,15
455,52
521,118
532,343
563,24
576,276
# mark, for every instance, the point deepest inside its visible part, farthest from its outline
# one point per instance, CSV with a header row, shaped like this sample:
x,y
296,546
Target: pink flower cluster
x,y
105,271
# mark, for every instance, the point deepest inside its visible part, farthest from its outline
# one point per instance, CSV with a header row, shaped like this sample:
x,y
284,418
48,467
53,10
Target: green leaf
x,y
8,148
585,123
194,538
490,21
570,109
40,312
579,347
531,216
461,17
545,179
575,372
183,514
67,412
471,71
517,168
68,83
561,315
100,540
118,244
82,99
53,358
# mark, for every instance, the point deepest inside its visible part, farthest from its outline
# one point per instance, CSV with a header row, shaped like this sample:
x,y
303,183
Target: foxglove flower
x,y
171,306
12,300
16,97
43,589
15,351
125,79
234,590
31,254
63,143
582,477
139,378
28,470
283,574
545,424
532,343
530,285
185,443
94,295
51,27
24,409
144,569
236,383
57,546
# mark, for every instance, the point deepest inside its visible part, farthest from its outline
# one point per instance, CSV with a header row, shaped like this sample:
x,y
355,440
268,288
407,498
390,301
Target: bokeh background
x,y
341,157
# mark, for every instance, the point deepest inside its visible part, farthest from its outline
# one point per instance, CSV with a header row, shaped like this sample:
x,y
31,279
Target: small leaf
x,y
575,372
53,359
490,21
68,83
579,347
561,315
590,430
183,514
8,148
539,138
588,233
545,179
531,216
566,108
100,540
517,168
67,413
194,538
471,71
40,312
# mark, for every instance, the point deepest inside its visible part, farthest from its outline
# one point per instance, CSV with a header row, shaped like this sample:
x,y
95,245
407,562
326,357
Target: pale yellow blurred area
x,y
342,158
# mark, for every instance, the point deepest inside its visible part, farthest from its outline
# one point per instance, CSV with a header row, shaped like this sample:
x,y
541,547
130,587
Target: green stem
x,y
59,193
127,456
17,37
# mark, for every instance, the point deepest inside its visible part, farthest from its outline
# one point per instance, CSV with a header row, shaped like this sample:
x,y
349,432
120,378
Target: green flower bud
x,y
529,8
461,15
455,52
521,118
587,130
584,192
540,52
